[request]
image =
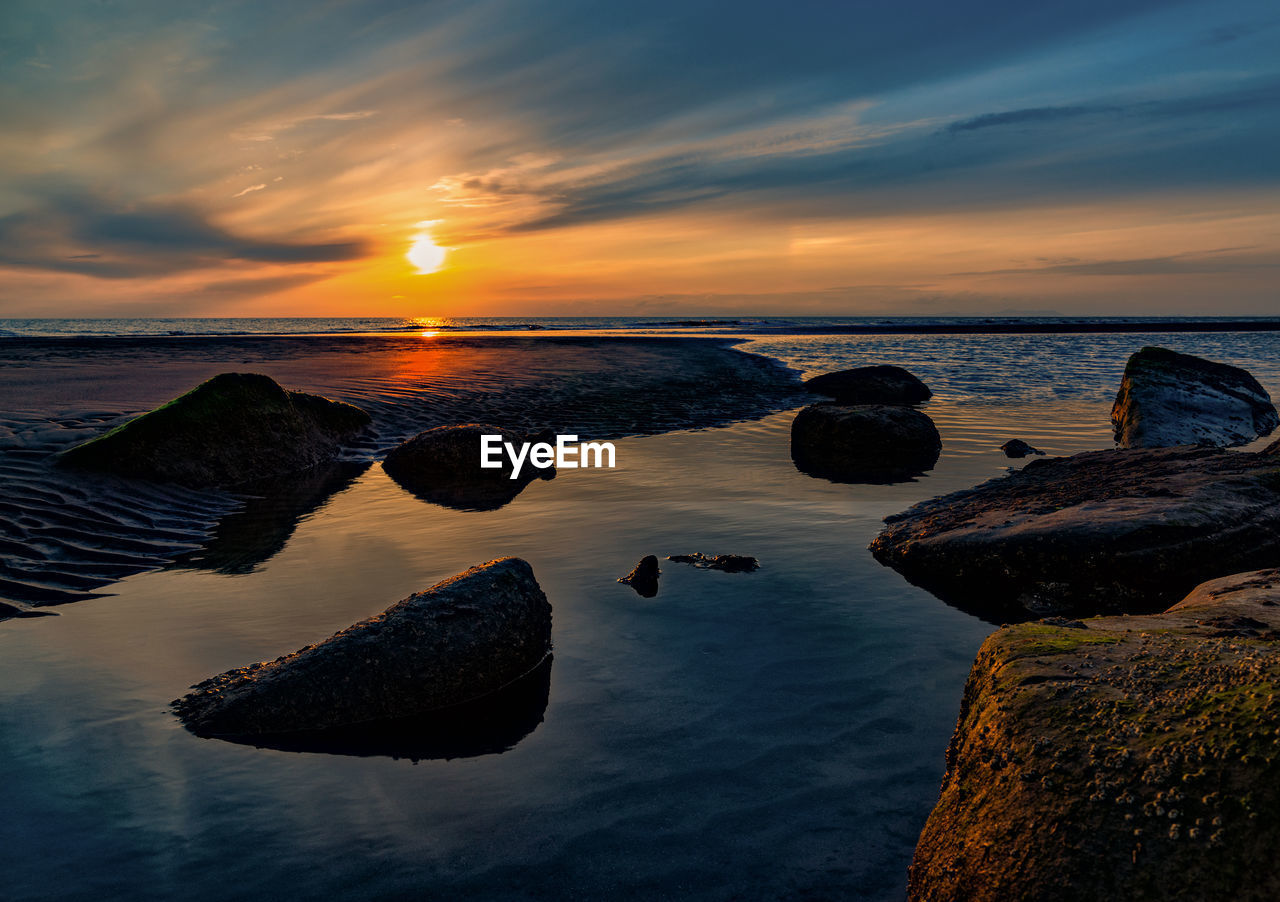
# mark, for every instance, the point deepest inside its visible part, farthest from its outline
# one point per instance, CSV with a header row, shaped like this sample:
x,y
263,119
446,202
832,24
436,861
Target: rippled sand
x,y
67,536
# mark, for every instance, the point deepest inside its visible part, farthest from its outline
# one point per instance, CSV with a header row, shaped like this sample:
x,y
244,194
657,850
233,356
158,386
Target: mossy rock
x,y
1131,758
235,428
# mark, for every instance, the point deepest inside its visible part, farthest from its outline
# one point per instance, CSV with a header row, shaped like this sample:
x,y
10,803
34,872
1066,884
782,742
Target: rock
x,y
1016,447
882,384
644,578
729,563
233,429
442,465
1133,759
1099,532
461,640
1167,399
865,443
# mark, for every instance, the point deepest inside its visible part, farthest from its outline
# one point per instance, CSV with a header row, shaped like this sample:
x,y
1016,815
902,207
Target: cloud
x,y
1213,262
79,232
153,129
1022,117
1195,142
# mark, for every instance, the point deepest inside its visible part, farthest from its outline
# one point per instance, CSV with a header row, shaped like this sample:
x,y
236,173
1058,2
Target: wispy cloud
x,y
144,142
79,232
1221,261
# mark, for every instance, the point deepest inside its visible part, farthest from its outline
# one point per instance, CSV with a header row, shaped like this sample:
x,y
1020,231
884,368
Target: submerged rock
x,y
1016,448
866,443
1167,399
1099,532
459,641
1135,759
644,577
234,428
883,384
729,563
442,466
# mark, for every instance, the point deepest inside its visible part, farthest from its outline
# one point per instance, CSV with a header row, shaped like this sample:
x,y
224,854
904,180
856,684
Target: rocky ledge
x,y
236,428
1118,758
1099,532
462,640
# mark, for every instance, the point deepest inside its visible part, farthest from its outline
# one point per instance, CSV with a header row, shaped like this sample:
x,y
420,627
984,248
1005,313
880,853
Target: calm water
x,y
776,735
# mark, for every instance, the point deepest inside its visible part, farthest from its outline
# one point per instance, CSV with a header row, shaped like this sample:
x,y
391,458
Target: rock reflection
x,y
250,536
488,726
870,444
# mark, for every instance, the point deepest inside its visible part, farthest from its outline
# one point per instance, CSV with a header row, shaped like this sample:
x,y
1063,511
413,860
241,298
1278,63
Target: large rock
x,y
1131,758
866,443
1167,399
1099,532
461,640
233,429
442,465
882,384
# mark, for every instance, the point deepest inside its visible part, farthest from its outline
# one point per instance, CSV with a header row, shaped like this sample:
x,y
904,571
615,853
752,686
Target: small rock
x,y
883,384
644,578
729,563
1167,399
1016,447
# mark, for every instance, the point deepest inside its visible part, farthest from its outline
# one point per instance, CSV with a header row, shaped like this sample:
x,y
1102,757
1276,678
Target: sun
x,y
425,254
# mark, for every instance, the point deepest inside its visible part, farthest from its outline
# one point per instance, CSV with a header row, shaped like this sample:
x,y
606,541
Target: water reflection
x,y
488,726
250,536
482,491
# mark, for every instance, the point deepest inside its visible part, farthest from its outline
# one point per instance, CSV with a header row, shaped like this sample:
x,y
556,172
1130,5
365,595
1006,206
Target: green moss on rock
x,y
233,429
1137,758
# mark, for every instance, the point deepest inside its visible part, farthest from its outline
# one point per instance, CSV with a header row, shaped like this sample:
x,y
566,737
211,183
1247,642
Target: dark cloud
x,y
79,232
1023,117
1190,143
1216,262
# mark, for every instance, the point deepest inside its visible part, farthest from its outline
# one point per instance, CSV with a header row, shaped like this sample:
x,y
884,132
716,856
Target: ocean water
x,y
717,325
774,735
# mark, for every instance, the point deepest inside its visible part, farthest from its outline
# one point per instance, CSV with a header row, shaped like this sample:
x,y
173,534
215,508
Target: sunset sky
x,y
671,156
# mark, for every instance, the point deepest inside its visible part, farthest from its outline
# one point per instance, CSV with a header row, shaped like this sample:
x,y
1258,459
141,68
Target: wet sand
x,y
66,536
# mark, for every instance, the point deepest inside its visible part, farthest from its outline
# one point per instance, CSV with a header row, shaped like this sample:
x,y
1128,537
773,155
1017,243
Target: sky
x,y
920,157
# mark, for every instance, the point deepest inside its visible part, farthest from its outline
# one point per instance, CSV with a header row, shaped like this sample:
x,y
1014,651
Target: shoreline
x,y
710,329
